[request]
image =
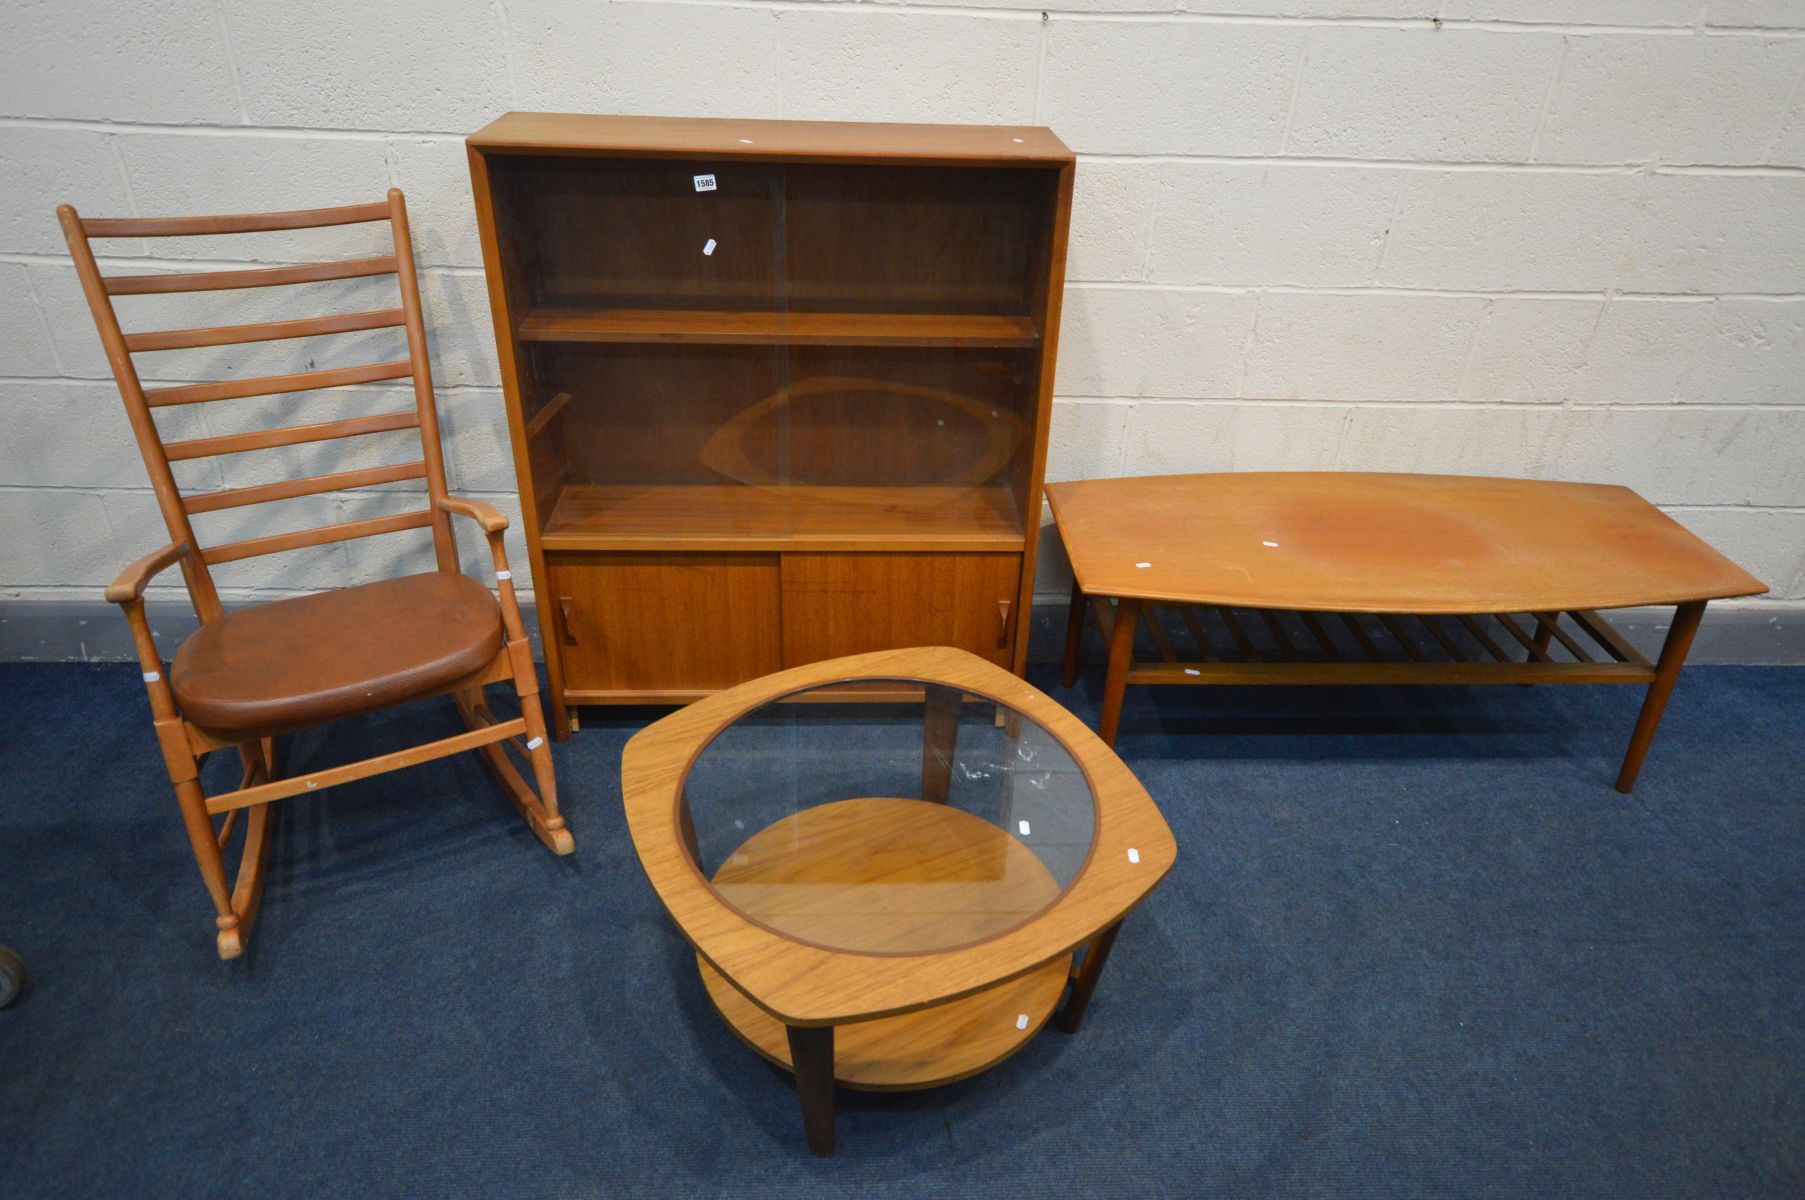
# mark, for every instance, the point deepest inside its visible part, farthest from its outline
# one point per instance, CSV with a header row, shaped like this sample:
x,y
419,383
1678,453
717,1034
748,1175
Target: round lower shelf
x,y
921,1049
884,875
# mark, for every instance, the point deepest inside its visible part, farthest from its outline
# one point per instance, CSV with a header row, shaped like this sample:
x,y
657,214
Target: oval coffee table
x,y
1362,577
888,896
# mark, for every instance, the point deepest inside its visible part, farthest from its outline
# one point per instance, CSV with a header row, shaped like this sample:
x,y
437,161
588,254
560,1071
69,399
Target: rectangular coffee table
x,y
1374,578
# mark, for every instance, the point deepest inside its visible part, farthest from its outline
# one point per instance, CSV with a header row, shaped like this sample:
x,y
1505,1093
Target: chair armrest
x,y
134,579
487,515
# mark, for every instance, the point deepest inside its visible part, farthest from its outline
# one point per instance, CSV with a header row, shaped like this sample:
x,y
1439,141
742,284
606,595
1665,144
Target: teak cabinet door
x,y
664,622
835,604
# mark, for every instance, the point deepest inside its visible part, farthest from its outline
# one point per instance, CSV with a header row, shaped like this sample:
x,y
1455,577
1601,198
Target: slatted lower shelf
x,y
1206,643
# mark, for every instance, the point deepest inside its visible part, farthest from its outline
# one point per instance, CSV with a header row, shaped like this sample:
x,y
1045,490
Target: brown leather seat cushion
x,y
294,662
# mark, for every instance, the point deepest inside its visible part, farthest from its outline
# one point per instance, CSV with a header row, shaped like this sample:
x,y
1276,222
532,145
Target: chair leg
x,y
540,816
272,763
540,754
207,856
247,893
240,913
236,909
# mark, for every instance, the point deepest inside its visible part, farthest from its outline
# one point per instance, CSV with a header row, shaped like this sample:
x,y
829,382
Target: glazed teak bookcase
x,y
778,391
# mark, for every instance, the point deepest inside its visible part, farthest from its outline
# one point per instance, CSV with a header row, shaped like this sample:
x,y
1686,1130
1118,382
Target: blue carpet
x,y
1414,945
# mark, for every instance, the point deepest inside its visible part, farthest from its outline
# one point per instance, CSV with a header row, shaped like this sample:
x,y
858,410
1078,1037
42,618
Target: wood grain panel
x,y
855,322
885,875
663,621
641,414
914,418
804,984
655,414
877,238
837,604
923,1049
632,233
626,517
689,137
704,326
1358,542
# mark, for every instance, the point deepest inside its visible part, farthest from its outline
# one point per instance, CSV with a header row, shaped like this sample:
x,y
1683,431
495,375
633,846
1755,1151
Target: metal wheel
x,y
12,976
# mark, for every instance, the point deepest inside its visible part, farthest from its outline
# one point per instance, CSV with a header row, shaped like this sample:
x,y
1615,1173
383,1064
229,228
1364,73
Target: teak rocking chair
x,y
246,677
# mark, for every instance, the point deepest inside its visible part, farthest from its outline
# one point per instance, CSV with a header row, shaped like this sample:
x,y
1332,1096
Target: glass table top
x,y
887,828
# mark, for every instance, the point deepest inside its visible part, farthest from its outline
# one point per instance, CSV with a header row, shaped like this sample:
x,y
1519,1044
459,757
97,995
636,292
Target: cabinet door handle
x,y
1003,627
570,639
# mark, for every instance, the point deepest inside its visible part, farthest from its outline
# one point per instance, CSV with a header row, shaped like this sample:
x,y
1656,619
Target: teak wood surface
x,y
886,875
801,984
268,670
711,326
652,517
769,338
853,603
1458,574
922,1049
889,943
726,138
889,875
1359,542
646,608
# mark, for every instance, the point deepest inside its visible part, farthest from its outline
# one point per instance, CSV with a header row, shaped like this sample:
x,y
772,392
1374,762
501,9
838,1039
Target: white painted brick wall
x,y
706,61
1179,87
1214,224
1360,345
1509,231
1465,95
1555,238
1717,102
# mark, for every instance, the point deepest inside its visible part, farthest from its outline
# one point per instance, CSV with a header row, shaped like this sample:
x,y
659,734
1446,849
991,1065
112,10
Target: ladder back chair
x,y
246,677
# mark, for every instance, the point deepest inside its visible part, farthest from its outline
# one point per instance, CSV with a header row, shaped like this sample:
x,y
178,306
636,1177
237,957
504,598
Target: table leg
x,y
1088,973
1667,671
939,734
1074,637
812,1056
1121,657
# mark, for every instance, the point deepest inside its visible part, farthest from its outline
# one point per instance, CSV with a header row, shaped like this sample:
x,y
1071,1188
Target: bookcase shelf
x,y
741,327
777,391
733,517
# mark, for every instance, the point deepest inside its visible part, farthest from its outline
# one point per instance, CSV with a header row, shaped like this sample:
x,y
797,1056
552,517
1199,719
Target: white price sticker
x,y
705,183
